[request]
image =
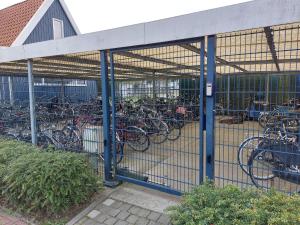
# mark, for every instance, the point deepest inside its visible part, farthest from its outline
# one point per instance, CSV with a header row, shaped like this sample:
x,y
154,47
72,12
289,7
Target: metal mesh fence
x,y
67,104
153,111
257,108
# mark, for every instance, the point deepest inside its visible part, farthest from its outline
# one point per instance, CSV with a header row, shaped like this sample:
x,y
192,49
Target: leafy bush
x,y
49,181
209,205
9,151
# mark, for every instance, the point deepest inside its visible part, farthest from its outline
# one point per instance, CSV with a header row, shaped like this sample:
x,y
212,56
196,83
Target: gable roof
x,y
14,18
19,20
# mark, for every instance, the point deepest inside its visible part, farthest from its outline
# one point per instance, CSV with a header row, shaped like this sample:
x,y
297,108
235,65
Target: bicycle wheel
x,y
245,150
262,120
261,167
158,132
43,141
174,130
137,139
72,140
119,149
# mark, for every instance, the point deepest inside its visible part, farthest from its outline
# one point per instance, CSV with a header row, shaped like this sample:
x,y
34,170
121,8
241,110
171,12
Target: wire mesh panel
x,y
14,109
67,104
257,108
156,115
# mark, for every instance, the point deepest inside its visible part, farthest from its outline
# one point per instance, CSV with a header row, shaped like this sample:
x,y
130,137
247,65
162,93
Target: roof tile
x,y
14,18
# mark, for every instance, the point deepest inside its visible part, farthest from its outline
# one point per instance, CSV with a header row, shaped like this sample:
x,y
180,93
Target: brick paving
x,y
116,212
6,219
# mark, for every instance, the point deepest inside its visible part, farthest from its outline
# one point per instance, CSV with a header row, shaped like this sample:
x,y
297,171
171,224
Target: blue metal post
x,y
201,102
210,101
113,99
106,117
32,103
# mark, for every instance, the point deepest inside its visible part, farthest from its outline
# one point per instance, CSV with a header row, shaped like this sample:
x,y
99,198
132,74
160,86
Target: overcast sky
x,y
96,15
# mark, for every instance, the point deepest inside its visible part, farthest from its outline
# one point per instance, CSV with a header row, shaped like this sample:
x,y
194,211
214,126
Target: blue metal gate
x,y
157,133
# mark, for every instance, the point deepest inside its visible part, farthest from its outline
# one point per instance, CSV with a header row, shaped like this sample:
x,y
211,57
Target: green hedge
x,y
209,205
48,181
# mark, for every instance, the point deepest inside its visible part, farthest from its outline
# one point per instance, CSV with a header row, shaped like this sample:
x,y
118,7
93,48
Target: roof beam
x,y
270,39
155,60
218,59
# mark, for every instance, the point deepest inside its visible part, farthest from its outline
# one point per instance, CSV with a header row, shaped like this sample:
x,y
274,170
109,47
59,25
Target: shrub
x,y
10,150
209,205
49,181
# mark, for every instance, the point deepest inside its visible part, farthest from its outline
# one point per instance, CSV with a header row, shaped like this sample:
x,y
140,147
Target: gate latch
x,y
209,89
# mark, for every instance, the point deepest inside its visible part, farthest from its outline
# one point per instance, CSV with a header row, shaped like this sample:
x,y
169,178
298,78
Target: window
x,y
58,29
58,82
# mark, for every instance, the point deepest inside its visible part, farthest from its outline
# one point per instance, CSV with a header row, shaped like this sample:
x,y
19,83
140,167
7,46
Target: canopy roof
x,y
270,50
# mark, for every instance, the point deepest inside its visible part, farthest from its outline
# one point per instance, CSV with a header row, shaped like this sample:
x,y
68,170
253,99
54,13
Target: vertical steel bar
x,y
267,89
210,101
201,108
1,95
153,88
228,94
63,96
167,88
113,99
32,102
106,117
3,90
11,91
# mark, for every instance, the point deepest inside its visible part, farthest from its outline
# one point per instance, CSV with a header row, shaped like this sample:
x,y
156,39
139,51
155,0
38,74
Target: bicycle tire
x,y
251,168
162,135
140,141
242,148
174,125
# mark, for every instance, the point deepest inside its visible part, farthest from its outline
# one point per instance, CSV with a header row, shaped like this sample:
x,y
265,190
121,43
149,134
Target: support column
x,y
11,91
210,101
201,110
32,102
106,117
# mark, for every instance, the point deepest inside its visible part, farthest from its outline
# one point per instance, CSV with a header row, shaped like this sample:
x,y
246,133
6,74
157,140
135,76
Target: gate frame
x,y
121,178
210,106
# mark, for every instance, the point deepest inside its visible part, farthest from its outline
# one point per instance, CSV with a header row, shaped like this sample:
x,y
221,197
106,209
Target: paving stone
x,y
114,212
110,221
125,207
81,221
164,219
142,221
143,212
154,216
108,202
152,223
101,218
117,204
123,215
90,222
93,214
132,219
134,210
121,222
103,208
